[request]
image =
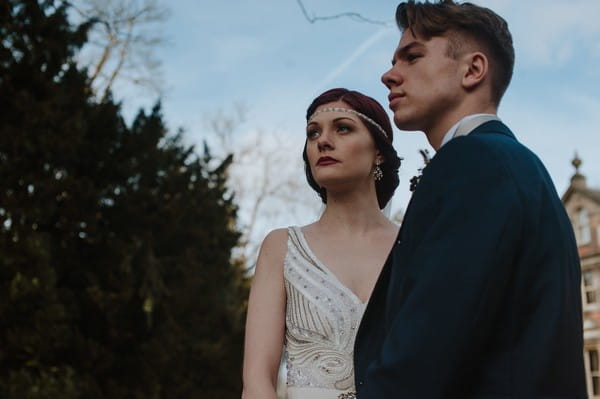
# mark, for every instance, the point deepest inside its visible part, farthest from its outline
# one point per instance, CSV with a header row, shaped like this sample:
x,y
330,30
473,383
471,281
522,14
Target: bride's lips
x,y
323,161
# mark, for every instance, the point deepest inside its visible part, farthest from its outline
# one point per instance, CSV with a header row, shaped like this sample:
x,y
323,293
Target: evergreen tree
x,y
115,240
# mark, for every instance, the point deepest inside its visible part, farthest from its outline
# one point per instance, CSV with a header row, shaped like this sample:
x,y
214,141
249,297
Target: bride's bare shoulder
x,y
273,247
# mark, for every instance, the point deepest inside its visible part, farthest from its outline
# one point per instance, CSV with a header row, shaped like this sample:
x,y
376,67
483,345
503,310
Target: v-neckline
x,y
329,271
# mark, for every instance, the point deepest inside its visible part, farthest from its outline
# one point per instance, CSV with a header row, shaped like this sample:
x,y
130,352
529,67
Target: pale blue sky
x,y
266,55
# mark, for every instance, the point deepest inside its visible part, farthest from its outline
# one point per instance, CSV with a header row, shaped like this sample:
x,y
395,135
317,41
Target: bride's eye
x,y
312,134
343,129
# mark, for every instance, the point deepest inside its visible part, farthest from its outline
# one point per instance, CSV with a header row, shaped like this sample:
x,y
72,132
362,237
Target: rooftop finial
x,y
578,180
576,162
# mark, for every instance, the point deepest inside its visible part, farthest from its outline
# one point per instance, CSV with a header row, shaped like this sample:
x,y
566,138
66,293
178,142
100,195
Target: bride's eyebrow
x,y
344,117
333,121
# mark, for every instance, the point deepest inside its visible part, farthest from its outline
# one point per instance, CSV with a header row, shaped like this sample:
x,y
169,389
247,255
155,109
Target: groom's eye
x,y
410,57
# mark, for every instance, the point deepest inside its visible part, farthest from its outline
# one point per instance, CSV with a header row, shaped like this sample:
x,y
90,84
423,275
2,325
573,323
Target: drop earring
x,y
377,173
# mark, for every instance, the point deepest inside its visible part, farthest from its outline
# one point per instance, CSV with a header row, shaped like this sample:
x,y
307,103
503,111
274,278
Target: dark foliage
x,y
115,241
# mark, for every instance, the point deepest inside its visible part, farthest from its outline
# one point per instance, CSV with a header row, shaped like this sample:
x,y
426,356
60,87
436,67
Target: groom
x,y
480,298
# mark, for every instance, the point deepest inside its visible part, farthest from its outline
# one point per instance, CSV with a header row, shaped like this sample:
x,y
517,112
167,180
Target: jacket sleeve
x,y
450,276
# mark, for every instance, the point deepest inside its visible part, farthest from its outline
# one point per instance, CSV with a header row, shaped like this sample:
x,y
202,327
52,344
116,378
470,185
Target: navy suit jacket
x,y
480,297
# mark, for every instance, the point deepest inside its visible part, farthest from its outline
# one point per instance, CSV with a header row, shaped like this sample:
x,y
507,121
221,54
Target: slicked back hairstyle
x,y
453,20
370,107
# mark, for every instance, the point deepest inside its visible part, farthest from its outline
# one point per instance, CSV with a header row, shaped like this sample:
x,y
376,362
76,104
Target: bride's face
x,y
340,149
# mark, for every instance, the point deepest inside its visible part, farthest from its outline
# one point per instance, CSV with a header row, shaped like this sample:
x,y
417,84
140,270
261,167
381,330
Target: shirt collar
x,y
450,134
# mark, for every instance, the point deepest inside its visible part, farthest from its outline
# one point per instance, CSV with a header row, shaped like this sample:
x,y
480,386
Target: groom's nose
x,y
391,78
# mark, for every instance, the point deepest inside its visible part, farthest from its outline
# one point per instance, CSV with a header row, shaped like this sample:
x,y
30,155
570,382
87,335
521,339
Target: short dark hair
x,y
480,24
370,107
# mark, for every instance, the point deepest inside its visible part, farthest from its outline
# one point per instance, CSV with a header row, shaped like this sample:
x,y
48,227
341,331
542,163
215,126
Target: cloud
x,y
586,104
231,51
549,33
555,136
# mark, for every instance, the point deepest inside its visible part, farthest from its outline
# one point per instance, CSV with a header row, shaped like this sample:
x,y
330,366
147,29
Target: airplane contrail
x,y
364,46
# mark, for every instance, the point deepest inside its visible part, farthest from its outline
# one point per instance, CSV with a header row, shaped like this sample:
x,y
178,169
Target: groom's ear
x,y
475,69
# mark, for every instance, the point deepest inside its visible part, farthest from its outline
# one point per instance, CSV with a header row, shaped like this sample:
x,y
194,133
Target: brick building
x,y
583,207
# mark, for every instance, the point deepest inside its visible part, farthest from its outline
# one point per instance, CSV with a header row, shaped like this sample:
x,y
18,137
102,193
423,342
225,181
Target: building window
x,y
589,287
583,231
594,371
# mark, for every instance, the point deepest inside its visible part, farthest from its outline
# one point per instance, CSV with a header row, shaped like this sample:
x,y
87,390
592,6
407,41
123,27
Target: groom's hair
x,y
460,21
372,109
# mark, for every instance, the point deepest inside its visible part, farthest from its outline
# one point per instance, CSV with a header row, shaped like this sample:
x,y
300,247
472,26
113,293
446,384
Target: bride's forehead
x,y
333,110
334,104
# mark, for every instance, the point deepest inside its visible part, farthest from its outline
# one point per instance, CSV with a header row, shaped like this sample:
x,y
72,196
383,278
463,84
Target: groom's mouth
x,y
394,98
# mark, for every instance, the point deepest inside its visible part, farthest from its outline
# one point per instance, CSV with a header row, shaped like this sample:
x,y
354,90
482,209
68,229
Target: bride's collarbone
x,y
354,264
353,258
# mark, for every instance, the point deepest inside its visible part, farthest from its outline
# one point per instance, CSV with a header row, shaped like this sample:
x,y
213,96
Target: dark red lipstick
x,y
327,161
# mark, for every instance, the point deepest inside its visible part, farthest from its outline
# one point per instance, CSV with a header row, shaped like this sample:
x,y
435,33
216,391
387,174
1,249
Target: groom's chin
x,y
403,124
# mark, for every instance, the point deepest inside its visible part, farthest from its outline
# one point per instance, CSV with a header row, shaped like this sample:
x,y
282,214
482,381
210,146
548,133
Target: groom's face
x,y
424,83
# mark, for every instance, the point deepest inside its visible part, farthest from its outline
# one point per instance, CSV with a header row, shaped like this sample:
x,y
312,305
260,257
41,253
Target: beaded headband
x,y
351,111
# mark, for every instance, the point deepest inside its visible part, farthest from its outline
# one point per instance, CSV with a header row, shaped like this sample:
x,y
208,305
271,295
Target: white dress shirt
x,y
450,134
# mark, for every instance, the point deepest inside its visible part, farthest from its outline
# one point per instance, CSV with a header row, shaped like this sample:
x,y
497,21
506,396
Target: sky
x,y
266,56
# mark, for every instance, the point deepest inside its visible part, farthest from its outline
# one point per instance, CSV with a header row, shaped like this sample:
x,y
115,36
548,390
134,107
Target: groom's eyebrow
x,y
404,50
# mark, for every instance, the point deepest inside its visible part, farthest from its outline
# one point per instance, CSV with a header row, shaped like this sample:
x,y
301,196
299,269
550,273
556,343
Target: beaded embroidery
x,y
322,317
351,111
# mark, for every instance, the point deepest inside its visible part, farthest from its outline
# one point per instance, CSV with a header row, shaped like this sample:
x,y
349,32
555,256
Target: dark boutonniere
x,y
414,181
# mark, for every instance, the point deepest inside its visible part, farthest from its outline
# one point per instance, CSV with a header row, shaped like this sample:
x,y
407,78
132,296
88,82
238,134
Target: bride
x,y
312,283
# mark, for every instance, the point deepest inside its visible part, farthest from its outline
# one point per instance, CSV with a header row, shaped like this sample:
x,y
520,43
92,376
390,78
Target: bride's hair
x,y
372,109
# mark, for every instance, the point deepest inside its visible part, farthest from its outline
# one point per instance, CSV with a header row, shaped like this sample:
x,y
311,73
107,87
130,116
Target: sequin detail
x,y
322,317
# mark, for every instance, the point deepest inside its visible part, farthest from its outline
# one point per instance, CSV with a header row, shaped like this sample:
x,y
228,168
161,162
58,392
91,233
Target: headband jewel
x,y
351,111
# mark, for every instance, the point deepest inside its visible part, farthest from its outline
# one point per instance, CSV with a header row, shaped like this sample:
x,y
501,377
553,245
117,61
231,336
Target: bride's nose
x,y
325,142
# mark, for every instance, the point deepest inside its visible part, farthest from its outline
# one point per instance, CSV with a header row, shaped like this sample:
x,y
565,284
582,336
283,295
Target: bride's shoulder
x,y
273,247
276,237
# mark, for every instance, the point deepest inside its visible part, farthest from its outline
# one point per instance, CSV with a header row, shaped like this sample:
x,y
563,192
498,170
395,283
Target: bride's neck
x,y
357,212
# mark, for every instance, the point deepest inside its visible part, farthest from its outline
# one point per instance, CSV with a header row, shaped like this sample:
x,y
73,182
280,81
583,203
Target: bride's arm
x,y
265,323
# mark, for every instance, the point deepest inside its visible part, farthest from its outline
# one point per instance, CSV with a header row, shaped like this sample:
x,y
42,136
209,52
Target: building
x,y
583,207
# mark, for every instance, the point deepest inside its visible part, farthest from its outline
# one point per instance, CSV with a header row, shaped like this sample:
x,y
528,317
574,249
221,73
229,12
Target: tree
x,y
121,44
270,187
115,240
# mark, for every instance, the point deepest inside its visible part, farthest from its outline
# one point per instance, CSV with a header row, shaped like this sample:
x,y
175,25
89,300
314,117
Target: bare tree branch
x,y
108,47
352,15
266,176
119,66
122,42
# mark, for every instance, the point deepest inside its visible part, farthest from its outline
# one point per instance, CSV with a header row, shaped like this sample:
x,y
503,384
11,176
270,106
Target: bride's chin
x,y
338,186
332,182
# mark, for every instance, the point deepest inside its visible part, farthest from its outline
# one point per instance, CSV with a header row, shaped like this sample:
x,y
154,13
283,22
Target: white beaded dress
x,y
322,317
